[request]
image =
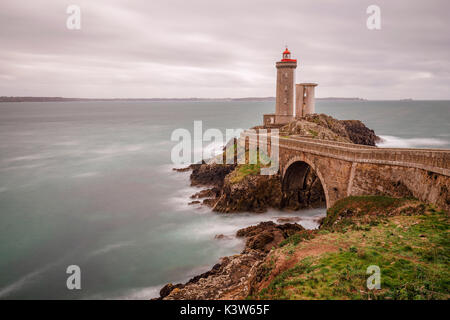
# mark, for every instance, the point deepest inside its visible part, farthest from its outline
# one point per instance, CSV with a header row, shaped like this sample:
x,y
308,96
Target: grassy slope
x,y
408,240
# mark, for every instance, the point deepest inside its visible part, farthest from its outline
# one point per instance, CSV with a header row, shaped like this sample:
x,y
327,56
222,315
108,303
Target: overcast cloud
x,y
210,48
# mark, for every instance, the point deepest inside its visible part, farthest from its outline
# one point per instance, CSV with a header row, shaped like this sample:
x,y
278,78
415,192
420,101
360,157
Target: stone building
x,y
305,101
302,95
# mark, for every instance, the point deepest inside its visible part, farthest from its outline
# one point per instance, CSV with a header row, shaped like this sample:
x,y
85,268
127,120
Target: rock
x,y
230,278
210,174
309,129
254,193
287,219
188,168
322,126
266,235
207,193
226,280
168,288
222,237
194,202
210,202
359,133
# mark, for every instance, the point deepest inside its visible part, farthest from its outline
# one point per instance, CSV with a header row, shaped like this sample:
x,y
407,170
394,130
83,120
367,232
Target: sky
x,y
226,48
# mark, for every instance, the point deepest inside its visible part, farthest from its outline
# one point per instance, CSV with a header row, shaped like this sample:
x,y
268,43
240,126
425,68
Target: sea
x,y
91,184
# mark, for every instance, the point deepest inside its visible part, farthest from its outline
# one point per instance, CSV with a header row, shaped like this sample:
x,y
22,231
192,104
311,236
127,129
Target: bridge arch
x,y
295,170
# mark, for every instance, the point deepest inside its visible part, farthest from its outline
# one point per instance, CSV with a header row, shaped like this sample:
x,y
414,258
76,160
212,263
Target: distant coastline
x,y
62,99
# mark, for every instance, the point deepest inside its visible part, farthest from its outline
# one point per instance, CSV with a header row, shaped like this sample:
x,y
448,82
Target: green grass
x,y
244,170
412,251
297,238
373,209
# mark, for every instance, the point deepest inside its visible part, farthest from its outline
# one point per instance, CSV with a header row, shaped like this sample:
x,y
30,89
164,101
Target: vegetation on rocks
x,y
244,170
408,240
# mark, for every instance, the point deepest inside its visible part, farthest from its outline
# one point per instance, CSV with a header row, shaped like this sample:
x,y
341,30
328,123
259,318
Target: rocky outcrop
x,y
309,129
322,126
230,278
266,235
210,174
254,193
207,193
226,280
359,133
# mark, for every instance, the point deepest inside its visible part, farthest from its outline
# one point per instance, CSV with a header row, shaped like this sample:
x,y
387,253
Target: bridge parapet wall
x,y
434,160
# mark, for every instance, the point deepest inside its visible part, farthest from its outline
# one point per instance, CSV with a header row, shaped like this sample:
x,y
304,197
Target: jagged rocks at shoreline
x,y
207,174
229,278
359,133
406,238
264,236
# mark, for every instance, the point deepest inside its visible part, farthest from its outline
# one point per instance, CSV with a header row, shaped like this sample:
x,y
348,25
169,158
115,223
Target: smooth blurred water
x,y
91,184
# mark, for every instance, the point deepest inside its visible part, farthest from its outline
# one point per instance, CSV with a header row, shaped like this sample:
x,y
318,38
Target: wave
x,y
110,247
21,282
397,142
27,279
37,156
181,198
208,151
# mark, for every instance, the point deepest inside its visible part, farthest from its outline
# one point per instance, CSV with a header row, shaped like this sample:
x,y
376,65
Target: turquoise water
x,y
91,184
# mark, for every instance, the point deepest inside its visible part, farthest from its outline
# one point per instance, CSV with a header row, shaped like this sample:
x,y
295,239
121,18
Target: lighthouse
x,y
288,94
284,108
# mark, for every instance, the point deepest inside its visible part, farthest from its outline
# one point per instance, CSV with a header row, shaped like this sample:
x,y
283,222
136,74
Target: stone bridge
x,y
346,169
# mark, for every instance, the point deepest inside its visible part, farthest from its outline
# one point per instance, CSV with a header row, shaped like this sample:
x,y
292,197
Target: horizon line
x,y
61,99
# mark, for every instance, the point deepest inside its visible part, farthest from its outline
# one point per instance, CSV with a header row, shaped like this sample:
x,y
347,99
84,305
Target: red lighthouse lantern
x,y
287,56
